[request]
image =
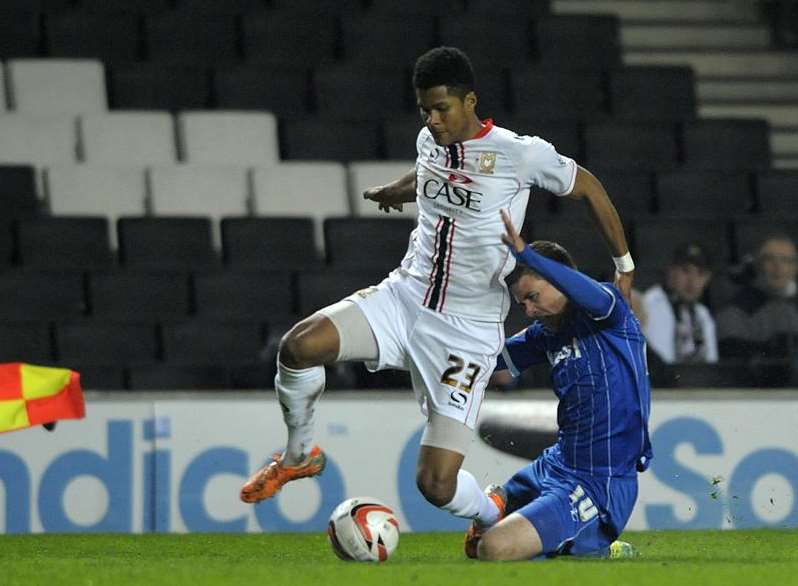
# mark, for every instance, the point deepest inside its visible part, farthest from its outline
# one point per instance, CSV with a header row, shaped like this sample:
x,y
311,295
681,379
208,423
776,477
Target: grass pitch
x,y
668,558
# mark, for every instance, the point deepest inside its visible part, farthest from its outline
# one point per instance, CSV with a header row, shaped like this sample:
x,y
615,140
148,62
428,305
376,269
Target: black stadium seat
x,y
318,289
548,94
41,295
579,236
318,139
137,295
416,8
655,240
25,341
518,8
122,6
18,190
378,91
400,135
750,232
578,41
211,343
630,147
289,39
214,7
20,33
64,243
109,38
653,93
158,87
261,296
631,192
346,242
727,145
777,192
506,41
166,243
186,38
268,244
169,377
396,39
693,193
281,90
106,343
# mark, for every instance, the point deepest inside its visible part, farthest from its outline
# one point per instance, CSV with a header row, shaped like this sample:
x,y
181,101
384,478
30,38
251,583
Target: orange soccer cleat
x,y
267,481
498,495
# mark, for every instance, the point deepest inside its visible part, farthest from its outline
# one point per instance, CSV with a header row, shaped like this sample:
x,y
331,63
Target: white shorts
x,y
450,358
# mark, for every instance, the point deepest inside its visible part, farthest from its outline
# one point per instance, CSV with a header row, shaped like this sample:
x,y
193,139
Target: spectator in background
x,y
678,327
762,319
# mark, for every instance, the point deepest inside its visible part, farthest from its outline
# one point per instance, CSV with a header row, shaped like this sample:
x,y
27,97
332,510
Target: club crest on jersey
x,y
568,351
487,162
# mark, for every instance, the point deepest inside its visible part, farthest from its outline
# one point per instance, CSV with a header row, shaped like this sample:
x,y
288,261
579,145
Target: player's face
x,y
688,282
447,116
778,262
541,300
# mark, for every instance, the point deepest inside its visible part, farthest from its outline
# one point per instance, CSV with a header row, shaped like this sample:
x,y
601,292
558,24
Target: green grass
x,y
668,558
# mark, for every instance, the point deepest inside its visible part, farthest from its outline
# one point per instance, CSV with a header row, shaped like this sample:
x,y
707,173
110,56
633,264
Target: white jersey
x,y
456,261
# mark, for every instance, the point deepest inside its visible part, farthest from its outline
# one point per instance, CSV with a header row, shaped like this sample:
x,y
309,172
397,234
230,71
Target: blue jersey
x,y
598,372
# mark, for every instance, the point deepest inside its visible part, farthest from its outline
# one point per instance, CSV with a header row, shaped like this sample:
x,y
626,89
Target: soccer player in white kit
x,y
440,314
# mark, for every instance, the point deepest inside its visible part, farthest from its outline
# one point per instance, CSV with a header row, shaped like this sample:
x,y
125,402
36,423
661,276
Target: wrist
x,y
624,264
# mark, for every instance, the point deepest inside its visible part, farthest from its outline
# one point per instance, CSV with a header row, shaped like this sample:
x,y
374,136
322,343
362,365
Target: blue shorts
x,y
573,513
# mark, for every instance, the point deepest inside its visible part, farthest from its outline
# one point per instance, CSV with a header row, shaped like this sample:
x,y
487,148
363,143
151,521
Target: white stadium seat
x,y
37,140
316,189
56,86
2,90
228,138
91,190
365,174
128,138
200,190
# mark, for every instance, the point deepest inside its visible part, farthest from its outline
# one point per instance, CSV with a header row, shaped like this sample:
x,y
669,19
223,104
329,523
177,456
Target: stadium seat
x,y
25,341
124,6
158,87
369,41
579,236
539,94
427,8
37,140
400,134
695,193
185,38
99,378
727,144
174,243
318,8
139,295
269,244
655,240
366,243
318,289
281,90
258,375
563,134
106,343
216,8
77,35
631,147
302,189
2,91
517,8
698,376
41,295
85,190
47,87
317,139
506,41
8,245
777,192
128,138
631,192
366,174
170,378
260,296
750,232
211,343
64,243
570,41
653,93
386,90
18,190
311,42
196,190
20,33
228,138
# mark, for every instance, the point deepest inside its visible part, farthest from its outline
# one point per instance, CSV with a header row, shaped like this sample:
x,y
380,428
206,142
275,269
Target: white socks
x,y
469,501
298,390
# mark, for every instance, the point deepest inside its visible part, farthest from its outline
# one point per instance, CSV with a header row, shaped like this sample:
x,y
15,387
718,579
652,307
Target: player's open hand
x,y
511,238
384,196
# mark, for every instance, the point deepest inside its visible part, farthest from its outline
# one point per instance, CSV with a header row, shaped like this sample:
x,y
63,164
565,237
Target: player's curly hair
x,y
552,250
447,66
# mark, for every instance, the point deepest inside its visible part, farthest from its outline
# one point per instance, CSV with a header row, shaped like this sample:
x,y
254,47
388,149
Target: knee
x,y
437,489
490,549
300,348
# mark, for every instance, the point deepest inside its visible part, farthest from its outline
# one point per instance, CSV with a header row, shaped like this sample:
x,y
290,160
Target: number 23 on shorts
x,y
460,375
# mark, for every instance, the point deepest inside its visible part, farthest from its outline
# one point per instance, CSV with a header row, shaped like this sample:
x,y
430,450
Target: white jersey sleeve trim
x,y
509,362
614,301
572,183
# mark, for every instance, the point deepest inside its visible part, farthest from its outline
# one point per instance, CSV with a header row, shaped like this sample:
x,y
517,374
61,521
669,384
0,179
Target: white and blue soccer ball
x,y
363,529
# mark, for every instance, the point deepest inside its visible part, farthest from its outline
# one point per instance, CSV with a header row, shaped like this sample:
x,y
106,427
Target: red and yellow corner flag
x,y
34,395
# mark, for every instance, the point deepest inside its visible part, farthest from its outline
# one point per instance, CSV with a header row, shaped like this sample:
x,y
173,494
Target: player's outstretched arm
x,y
604,214
578,287
395,193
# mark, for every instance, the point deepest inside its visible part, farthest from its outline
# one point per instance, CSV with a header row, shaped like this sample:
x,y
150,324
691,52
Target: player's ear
x,y
470,101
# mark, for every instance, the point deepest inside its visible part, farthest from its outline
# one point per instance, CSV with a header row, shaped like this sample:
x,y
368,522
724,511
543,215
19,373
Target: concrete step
x,y
745,64
776,114
719,89
784,141
640,36
729,10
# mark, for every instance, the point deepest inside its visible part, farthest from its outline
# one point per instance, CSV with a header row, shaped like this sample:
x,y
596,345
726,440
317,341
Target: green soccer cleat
x,y
622,550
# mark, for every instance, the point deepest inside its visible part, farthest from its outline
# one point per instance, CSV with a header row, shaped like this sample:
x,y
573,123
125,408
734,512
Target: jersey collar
x,y
487,126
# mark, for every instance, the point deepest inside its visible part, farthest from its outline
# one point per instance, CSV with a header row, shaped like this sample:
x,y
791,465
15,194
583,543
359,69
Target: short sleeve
x,y
423,136
522,351
541,165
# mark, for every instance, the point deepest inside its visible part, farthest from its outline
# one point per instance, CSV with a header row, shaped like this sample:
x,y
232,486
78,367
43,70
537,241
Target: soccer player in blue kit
x,y
577,497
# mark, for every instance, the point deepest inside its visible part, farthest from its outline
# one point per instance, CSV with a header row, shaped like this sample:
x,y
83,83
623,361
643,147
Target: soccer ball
x,y
363,529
